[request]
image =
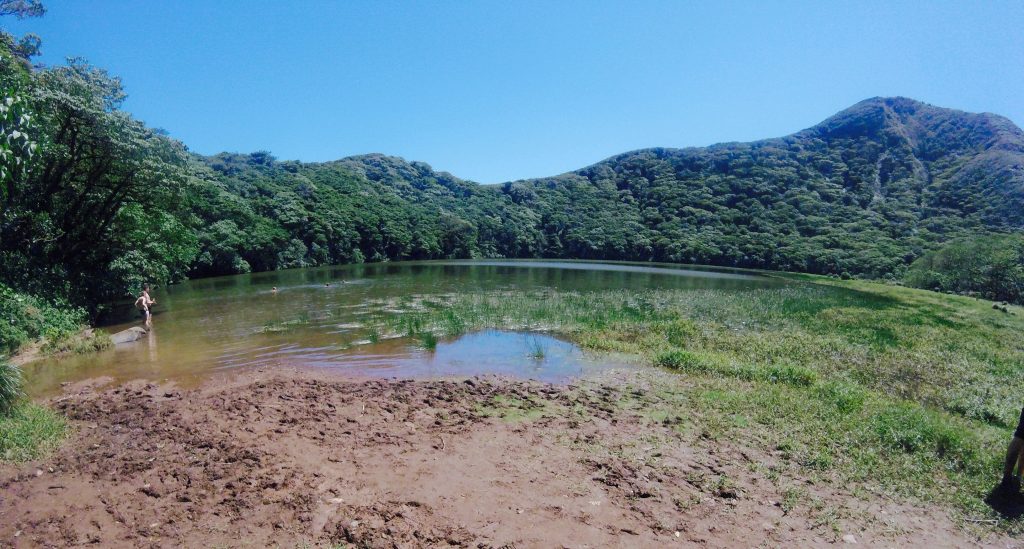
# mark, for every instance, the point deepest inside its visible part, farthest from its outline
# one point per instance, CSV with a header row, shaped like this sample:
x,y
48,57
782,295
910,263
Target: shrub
x,y
25,317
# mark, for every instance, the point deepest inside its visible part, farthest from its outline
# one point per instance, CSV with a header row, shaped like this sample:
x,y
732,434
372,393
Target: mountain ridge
x,y
863,192
1014,136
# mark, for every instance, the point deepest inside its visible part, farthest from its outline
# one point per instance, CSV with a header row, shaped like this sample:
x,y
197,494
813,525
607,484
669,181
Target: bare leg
x,y
1014,459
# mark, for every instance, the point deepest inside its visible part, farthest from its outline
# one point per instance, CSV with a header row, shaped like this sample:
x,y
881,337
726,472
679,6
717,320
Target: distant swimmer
x,y
273,290
144,303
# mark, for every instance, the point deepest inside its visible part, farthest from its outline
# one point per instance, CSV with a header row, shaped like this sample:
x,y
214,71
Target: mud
x,y
298,460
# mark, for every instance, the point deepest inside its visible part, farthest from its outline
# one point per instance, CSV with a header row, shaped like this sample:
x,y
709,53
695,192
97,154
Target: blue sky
x,y
495,91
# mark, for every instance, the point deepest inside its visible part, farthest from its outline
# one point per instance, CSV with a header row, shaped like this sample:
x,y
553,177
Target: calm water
x,y
220,324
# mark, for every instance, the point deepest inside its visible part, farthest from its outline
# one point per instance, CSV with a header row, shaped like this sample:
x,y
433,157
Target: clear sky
x,y
495,91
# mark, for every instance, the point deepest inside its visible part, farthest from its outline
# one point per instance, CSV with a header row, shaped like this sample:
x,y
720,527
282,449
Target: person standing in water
x,y
144,302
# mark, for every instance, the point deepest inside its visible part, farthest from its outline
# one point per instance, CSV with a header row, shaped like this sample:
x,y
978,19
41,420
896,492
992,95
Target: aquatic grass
x,y
428,340
283,326
535,348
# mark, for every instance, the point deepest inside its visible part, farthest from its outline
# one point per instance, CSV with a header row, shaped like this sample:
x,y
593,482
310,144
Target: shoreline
x,y
297,457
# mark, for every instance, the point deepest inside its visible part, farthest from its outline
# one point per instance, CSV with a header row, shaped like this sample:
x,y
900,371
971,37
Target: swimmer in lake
x,y
273,290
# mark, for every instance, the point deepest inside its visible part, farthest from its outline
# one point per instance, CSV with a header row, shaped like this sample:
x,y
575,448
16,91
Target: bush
x,y
24,318
990,266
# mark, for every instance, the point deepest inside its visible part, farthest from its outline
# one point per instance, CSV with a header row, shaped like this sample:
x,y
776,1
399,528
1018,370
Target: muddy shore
x,y
297,459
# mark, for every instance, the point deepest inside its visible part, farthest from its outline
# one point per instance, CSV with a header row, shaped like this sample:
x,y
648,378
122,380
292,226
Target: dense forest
x,y
862,194
93,202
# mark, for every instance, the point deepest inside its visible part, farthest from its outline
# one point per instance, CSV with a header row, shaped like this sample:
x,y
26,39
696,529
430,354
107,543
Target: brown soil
x,y
298,459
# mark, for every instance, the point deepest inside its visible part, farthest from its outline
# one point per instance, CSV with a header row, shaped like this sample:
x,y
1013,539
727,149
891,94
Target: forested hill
x,y
863,194
93,203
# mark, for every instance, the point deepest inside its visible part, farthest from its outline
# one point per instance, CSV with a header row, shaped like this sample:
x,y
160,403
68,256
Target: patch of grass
x,y
82,342
30,431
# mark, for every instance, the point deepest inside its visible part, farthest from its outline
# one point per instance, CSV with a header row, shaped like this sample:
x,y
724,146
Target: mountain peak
x,y
921,125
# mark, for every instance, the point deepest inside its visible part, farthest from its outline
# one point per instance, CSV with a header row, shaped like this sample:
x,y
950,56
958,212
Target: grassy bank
x,y
27,430
874,387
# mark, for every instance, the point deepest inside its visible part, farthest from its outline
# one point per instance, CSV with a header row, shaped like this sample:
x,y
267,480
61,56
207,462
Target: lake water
x,y
213,325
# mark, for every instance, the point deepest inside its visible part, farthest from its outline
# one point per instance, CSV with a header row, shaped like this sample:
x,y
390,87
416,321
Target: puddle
x,y
518,354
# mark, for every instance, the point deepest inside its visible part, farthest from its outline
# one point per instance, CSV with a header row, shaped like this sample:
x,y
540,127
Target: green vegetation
x,y
10,387
27,430
85,341
428,340
30,431
535,349
988,266
25,318
902,390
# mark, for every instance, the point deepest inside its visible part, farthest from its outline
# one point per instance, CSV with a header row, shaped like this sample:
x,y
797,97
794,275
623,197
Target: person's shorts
x,y
1019,433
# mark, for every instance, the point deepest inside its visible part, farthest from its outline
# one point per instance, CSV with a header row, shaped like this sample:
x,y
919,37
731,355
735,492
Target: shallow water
x,y
317,319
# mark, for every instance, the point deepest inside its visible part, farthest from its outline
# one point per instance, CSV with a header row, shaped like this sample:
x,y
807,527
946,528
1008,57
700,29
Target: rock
x,y
127,336
849,538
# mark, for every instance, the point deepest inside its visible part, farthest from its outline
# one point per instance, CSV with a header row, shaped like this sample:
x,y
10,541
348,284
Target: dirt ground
x,y
297,459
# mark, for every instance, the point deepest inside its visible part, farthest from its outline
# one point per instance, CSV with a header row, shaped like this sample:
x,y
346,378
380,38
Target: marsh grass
x,y
428,340
909,392
535,349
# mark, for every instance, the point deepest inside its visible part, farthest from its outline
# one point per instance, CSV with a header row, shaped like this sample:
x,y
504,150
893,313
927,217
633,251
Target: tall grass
x,y
27,430
535,348
10,387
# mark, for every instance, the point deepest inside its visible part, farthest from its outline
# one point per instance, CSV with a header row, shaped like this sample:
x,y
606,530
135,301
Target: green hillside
x,y
862,194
